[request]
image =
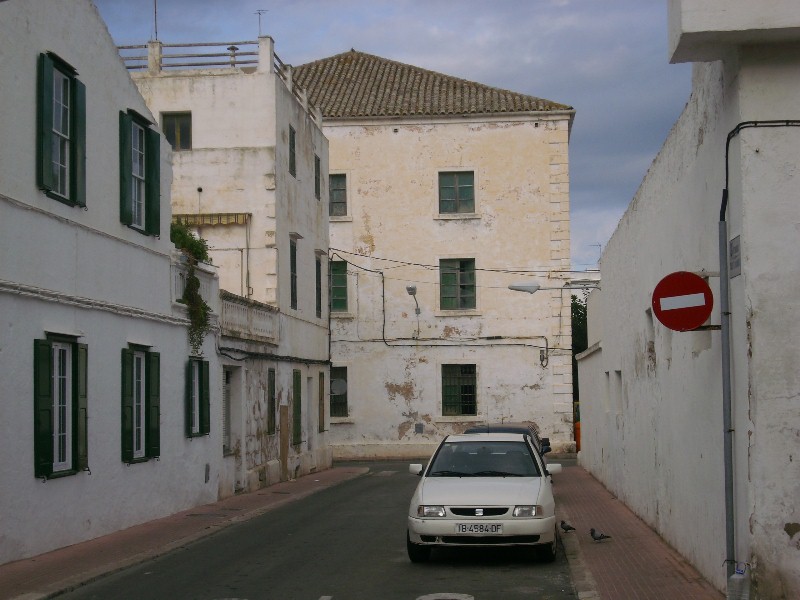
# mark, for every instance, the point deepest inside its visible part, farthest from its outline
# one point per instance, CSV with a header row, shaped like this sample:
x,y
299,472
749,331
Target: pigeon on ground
x,y
598,537
566,527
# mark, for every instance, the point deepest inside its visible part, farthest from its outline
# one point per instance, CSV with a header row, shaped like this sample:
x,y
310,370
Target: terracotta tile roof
x,y
354,84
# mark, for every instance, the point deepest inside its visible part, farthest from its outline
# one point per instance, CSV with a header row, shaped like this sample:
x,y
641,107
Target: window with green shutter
x,y
338,283
61,131
339,392
337,191
140,173
292,153
198,400
293,274
297,410
321,404
459,390
141,404
457,284
456,192
271,402
60,371
318,284
317,178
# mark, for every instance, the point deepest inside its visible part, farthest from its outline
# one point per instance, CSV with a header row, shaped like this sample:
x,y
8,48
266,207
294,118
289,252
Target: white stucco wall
x,y
239,163
651,402
393,226
82,273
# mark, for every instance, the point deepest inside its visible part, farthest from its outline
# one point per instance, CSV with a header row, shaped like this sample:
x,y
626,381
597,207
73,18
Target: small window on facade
x,y
338,293
177,129
226,410
457,192
317,177
293,273
140,174
337,185
297,407
60,444
321,404
61,132
339,384
271,402
198,421
292,156
318,282
141,405
459,390
457,284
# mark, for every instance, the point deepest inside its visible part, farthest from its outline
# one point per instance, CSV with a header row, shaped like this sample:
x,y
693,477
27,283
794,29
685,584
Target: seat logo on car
x,y
478,512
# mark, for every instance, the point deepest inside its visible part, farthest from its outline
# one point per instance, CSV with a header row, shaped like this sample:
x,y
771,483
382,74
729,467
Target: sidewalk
x,y
634,564
61,570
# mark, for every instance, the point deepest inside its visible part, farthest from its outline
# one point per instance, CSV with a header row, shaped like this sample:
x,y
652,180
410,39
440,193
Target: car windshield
x,y
484,459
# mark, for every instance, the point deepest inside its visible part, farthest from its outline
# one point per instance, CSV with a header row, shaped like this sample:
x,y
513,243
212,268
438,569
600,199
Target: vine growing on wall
x,y
196,250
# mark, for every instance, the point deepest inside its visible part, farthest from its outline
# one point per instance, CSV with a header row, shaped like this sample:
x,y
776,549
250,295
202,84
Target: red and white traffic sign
x,y
682,301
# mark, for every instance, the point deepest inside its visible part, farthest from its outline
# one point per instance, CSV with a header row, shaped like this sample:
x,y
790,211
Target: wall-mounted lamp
x,y
412,291
576,284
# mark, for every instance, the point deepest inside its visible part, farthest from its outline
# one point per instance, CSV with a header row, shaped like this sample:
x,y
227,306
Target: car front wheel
x,y
546,553
416,552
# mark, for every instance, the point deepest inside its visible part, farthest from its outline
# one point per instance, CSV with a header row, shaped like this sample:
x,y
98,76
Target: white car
x,y
483,489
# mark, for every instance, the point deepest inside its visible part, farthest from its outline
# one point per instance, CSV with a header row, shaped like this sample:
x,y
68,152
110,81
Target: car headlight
x,y
430,511
528,511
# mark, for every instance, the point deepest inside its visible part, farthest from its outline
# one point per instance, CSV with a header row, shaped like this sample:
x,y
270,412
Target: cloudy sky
x,y
606,58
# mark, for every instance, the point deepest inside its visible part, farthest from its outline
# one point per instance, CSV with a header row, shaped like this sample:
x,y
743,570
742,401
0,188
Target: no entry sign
x,y
682,301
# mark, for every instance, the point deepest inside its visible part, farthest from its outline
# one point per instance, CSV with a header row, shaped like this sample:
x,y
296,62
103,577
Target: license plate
x,y
480,528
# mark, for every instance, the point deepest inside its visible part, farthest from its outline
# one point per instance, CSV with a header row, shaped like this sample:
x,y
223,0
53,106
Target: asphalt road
x,y
343,543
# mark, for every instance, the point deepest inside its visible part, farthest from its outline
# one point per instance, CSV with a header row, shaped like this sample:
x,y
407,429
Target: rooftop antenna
x,y
260,12
155,17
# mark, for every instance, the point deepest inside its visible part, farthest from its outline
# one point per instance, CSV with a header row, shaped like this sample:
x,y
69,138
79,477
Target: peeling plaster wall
x,y
394,358
651,407
240,160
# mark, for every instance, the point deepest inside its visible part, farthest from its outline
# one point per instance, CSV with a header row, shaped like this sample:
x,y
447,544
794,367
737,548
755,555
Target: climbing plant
x,y
196,250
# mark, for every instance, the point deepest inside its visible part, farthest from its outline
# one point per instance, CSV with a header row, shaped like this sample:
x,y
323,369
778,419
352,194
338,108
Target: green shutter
x,y
188,399
44,125
152,181
125,167
78,151
205,398
153,400
42,408
127,405
297,412
80,394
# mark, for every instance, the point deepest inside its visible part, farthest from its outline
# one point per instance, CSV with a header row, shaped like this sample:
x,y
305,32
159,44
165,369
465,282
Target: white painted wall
x,y
651,402
240,161
82,273
393,226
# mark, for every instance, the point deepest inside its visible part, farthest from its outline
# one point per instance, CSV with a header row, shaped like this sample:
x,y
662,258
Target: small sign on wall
x,y
734,258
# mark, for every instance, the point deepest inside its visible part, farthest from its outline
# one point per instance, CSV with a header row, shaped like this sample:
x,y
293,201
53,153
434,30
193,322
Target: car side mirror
x,y
553,468
415,469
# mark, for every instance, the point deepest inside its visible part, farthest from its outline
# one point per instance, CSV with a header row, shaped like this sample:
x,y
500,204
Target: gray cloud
x,y
606,58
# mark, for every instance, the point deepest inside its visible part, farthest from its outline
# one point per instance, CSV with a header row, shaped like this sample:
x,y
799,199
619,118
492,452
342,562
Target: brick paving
x,y
635,564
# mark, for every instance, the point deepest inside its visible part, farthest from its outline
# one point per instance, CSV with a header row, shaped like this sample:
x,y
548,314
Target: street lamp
x,y
575,284
412,291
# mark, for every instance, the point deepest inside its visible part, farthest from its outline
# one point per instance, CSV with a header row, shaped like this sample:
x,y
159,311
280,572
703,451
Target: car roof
x,y
489,437
503,427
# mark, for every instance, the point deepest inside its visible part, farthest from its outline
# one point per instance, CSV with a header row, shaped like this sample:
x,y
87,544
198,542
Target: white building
x,y
250,170
442,193
651,398
98,427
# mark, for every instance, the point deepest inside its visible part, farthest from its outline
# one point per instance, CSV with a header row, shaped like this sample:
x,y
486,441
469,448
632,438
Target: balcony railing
x,y
185,56
248,319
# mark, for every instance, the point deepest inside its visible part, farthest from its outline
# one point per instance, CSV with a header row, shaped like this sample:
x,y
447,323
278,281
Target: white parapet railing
x,y
206,275
247,319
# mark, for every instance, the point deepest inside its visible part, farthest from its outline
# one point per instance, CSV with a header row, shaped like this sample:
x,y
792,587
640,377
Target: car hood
x,y
488,491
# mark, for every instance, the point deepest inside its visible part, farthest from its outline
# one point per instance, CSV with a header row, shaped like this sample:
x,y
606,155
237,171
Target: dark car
x,y
529,429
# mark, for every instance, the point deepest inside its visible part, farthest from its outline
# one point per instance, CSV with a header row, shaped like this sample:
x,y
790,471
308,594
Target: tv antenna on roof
x,y
260,12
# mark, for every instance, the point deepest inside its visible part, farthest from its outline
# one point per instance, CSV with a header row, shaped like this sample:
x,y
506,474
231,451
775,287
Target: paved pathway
x,y
635,564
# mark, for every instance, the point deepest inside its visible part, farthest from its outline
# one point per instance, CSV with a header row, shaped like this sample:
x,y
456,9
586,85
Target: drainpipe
x,y
725,313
